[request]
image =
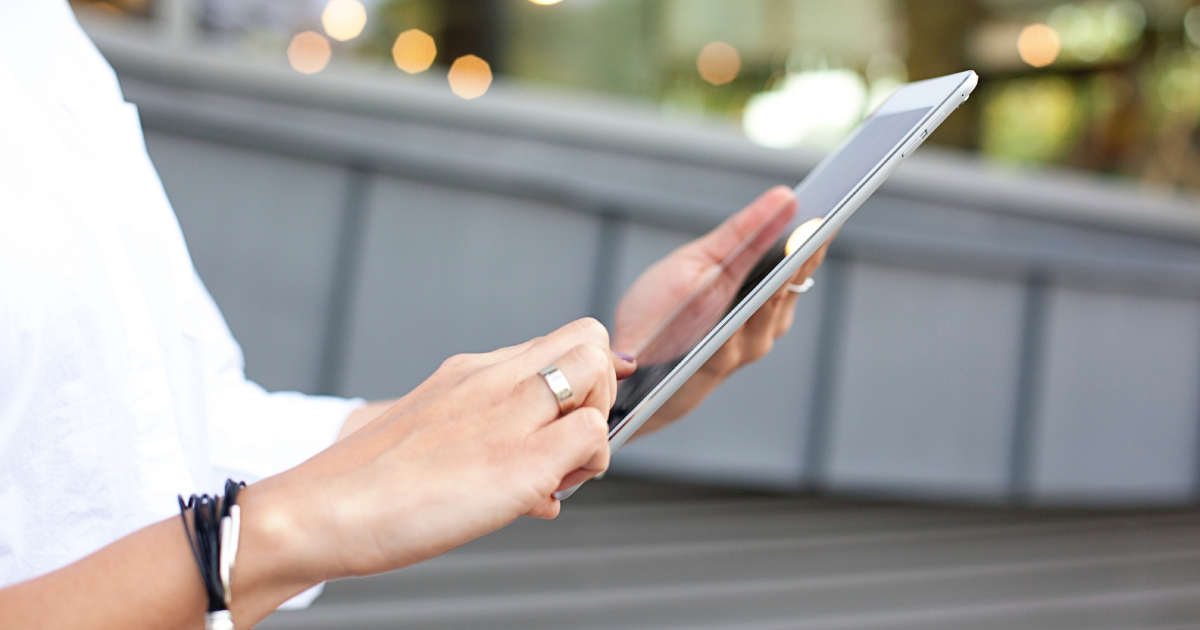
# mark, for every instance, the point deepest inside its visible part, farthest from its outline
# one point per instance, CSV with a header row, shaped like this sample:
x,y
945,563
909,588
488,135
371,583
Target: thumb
x,y
725,238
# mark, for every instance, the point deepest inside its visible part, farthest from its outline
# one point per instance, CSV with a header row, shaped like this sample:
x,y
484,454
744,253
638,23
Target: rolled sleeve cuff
x,y
254,434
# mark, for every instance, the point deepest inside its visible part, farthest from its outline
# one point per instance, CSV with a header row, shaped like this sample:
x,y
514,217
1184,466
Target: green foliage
x,y
1035,119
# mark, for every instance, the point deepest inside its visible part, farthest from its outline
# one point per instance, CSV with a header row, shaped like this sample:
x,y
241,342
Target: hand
x,y
668,282
451,373
478,444
472,448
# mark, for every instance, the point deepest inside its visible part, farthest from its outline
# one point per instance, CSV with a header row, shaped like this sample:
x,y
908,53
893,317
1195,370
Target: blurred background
x,y
1111,87
986,414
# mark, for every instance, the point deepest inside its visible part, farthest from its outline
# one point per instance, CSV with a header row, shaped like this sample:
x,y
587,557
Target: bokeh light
x,y
1038,45
309,52
1095,31
1032,120
1082,31
1179,89
718,63
1124,22
414,51
470,77
815,108
801,234
344,19
545,2
885,74
1191,25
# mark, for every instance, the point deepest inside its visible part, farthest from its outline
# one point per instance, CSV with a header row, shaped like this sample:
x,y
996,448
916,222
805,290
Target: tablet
x,y
768,257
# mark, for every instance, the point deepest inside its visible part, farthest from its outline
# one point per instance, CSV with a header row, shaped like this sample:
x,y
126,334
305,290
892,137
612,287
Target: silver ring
x,y
560,387
802,287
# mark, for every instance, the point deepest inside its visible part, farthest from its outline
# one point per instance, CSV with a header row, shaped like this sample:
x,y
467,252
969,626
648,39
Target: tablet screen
x,y
820,194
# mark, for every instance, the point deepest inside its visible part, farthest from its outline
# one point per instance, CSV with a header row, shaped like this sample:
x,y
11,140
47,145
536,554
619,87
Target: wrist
x,y
273,563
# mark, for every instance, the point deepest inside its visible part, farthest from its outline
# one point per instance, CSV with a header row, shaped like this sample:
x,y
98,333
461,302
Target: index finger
x,y
544,351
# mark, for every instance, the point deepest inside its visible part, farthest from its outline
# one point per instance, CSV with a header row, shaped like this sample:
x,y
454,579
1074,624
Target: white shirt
x,y
120,384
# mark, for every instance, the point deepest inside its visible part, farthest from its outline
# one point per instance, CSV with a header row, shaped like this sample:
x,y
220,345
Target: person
x,y
121,387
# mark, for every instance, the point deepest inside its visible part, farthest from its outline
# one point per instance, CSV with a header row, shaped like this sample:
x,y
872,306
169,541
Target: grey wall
x,y
263,232
928,381
445,271
1118,406
976,333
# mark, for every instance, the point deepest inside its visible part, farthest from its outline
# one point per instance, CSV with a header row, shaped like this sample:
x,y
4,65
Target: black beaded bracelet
x,y
213,537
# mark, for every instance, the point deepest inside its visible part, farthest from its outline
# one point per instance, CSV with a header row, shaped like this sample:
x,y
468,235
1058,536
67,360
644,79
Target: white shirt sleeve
x,y
121,386
253,433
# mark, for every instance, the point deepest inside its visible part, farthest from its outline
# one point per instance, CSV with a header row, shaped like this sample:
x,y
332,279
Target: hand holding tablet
x,y
768,256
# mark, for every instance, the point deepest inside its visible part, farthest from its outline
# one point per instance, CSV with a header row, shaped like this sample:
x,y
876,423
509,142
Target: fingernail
x,y
628,358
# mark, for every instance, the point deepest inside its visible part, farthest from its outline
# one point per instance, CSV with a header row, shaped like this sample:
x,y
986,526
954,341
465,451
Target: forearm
x,y
149,579
415,482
